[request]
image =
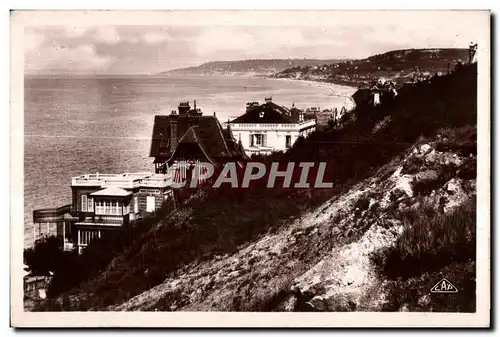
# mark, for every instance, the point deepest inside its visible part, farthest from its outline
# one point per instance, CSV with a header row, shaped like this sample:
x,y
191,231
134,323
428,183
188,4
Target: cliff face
x,y
323,260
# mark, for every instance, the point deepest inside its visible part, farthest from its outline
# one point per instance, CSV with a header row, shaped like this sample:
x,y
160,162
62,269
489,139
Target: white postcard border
x,y
20,318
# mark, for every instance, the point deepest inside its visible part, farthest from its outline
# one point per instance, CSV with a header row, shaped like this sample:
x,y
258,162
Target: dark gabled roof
x,y
205,131
228,136
208,133
160,140
212,142
161,136
361,95
268,112
235,147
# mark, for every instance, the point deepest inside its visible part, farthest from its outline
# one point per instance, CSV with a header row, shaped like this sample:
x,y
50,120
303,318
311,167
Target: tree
x,y
45,256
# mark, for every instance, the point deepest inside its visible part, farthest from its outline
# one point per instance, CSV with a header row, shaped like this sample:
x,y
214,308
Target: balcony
x,y
106,220
158,182
125,180
273,127
121,183
111,219
90,179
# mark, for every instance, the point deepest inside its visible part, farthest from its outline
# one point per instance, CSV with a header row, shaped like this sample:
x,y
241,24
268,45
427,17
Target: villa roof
x,y
205,131
112,192
268,112
361,95
160,142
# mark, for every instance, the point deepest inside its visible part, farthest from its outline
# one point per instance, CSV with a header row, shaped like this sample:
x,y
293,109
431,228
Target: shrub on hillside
x,y
413,293
429,242
45,256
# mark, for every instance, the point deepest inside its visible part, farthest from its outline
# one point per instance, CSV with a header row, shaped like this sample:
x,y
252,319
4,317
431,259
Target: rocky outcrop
x,y
320,261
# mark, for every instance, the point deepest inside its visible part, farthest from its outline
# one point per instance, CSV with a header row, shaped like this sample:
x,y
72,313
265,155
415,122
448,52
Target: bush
x,y
46,256
430,242
414,292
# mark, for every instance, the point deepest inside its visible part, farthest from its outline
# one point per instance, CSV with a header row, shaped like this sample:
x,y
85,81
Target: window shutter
x,y
84,203
250,140
264,139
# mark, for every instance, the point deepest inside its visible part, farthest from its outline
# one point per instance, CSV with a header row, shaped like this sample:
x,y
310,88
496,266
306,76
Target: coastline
x,y
318,83
332,89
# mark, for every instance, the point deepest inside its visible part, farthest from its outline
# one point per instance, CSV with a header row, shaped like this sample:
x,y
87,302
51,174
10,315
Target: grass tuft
x,y
429,242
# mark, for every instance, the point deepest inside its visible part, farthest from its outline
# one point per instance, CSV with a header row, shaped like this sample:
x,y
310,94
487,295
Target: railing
x,y
86,182
110,219
265,126
125,183
130,183
163,182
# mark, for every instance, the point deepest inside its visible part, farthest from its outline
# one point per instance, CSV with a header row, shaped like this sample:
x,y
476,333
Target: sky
x,y
142,48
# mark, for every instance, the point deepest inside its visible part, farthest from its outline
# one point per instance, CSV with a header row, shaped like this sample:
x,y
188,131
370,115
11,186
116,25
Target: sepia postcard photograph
x,y
250,168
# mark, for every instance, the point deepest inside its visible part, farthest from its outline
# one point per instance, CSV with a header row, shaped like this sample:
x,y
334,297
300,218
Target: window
x,y
288,141
150,203
108,207
99,207
257,140
90,204
84,203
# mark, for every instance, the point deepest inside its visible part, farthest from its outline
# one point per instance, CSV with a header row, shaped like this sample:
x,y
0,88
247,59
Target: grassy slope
x,y
216,222
433,246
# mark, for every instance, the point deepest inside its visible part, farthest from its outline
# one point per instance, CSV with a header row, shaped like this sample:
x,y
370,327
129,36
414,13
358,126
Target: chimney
x,y
173,132
194,105
184,108
472,51
269,99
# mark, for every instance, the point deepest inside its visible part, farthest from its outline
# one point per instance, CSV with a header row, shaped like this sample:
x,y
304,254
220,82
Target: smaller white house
x,y
268,127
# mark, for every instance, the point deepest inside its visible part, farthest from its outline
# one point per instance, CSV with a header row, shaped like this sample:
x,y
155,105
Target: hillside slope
x,y
313,249
256,67
321,260
397,65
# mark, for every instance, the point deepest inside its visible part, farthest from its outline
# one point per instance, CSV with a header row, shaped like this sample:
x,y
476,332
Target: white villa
x,y
268,127
102,203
